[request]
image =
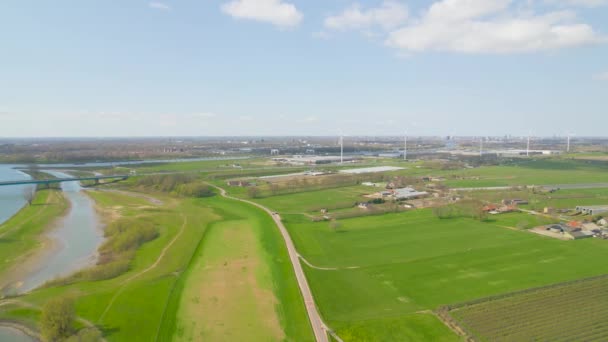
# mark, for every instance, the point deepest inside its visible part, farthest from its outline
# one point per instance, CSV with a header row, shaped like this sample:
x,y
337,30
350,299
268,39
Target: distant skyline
x,y
303,67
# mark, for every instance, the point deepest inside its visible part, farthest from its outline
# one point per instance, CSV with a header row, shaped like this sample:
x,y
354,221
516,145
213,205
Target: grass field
x,y
246,237
392,267
568,312
148,295
529,172
228,293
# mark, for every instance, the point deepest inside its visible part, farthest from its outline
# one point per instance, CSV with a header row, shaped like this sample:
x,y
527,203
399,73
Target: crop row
x,y
567,311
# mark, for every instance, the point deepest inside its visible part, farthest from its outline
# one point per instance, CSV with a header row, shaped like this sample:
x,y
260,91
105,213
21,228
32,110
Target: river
x,y
11,197
76,238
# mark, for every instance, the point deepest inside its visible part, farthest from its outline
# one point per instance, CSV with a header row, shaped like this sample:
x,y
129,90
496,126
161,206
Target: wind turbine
x,y
528,146
481,147
405,146
569,139
341,147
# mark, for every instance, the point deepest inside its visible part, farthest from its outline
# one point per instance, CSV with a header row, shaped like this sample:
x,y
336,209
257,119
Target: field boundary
x,y
451,307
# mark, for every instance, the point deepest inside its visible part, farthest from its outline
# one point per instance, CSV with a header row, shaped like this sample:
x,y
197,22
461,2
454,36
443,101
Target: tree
x,y
29,193
274,189
253,192
57,319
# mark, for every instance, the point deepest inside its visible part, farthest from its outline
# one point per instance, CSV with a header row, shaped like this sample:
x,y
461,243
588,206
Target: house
x,y
490,207
590,226
603,222
548,210
368,184
507,209
239,183
323,211
575,235
363,205
573,225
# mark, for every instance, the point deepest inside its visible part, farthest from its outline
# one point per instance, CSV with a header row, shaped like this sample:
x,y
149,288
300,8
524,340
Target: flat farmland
x,y
567,312
390,270
533,172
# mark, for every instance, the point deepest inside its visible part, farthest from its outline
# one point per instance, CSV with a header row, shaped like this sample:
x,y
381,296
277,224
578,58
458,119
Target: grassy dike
x,y
20,236
261,302
147,302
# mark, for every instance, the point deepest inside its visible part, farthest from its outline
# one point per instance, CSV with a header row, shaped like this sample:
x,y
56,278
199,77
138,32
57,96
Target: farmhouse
x,y
592,210
408,193
563,231
514,201
603,222
239,183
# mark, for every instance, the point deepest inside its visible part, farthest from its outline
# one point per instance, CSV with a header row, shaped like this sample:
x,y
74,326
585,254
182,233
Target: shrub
x,y
57,319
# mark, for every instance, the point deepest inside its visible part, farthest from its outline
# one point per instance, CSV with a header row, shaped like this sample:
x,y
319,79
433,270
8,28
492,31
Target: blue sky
x,y
303,67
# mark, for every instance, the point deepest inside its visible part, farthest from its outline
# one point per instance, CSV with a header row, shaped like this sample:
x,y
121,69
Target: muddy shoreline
x,y
25,330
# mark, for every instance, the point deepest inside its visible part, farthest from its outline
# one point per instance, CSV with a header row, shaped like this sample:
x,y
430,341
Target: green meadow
x,y
529,172
149,293
395,267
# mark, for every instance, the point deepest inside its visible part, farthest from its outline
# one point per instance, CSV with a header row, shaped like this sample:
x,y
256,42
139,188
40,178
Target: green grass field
x,y
391,267
149,294
532,172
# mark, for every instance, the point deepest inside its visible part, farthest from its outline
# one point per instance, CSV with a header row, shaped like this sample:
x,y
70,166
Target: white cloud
x,y
389,15
602,76
489,26
276,12
159,6
581,3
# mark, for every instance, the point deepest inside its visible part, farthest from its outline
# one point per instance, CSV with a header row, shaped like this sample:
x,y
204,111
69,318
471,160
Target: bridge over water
x,y
59,180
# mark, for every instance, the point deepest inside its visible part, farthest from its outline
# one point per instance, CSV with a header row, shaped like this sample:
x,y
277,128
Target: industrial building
x,y
372,169
314,160
592,209
408,193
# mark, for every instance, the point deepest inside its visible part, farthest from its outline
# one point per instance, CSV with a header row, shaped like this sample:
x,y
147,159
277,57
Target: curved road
x,y
319,328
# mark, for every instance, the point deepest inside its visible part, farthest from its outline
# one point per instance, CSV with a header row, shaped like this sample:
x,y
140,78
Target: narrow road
x,y
319,328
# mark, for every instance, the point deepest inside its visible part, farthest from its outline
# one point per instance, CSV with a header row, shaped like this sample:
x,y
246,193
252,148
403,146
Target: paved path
x,y
319,328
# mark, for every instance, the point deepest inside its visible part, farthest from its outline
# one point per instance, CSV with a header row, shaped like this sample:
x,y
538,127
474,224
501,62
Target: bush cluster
x,y
179,184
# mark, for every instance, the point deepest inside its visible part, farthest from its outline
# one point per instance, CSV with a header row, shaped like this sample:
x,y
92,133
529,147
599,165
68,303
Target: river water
x,y
76,238
11,197
13,335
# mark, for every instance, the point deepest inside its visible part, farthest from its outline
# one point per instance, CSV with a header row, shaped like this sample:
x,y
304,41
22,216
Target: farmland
x,y
565,312
392,268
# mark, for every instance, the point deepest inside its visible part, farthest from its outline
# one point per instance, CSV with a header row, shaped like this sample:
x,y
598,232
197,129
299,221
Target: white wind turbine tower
x,y
481,147
528,145
341,148
405,146
569,139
